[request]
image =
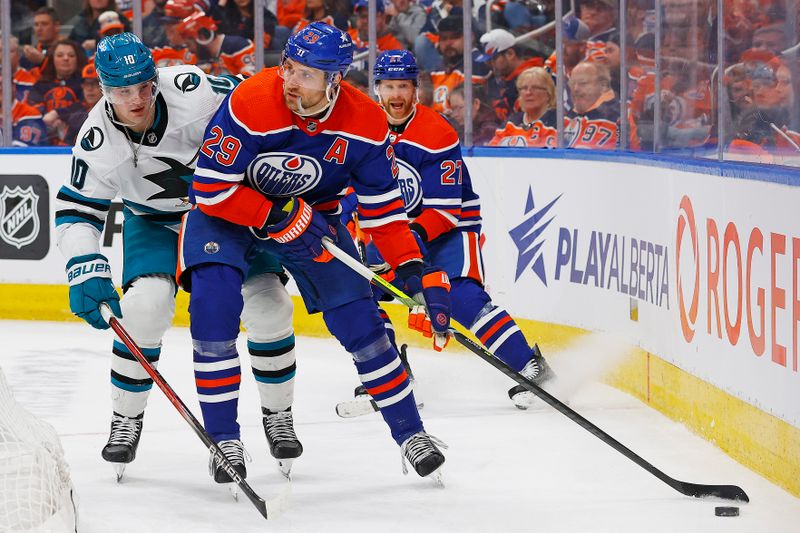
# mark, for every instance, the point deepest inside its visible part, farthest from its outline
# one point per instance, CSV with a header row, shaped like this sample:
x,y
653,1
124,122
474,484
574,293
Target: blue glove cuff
x,y
409,269
84,267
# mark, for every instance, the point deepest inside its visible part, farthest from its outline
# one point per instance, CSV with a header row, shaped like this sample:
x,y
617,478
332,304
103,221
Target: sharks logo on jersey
x,y
410,184
92,139
187,82
284,174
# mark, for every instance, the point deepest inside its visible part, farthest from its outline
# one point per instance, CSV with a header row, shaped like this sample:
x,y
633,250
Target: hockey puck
x,y
726,511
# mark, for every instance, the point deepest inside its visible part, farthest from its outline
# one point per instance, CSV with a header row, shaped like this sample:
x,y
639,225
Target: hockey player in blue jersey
x,y
445,217
277,158
140,143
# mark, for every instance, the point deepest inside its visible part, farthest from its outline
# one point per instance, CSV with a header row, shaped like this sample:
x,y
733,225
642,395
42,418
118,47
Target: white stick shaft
x,y
345,258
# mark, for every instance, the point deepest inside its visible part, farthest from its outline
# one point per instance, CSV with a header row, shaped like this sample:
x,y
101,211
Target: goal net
x,y
36,493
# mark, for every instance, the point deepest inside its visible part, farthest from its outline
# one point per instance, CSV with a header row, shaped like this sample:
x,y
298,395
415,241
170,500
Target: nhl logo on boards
x,y
187,82
19,224
24,217
92,139
283,174
211,247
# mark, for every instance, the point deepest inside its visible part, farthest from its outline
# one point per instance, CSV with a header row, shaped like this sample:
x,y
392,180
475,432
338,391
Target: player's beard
x,y
296,105
398,116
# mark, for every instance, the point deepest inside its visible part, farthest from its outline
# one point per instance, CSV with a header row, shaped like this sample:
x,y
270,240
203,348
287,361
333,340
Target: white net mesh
x,y
35,487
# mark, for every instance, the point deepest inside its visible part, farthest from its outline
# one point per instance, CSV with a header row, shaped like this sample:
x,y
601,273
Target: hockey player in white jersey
x,y
140,142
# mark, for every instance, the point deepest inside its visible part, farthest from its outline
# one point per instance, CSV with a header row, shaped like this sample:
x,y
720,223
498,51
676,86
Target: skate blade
x,y
119,470
527,400
437,478
285,466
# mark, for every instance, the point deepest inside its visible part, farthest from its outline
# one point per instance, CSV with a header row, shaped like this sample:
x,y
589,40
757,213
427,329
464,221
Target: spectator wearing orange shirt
x,y
505,58
594,117
23,79
289,12
216,53
46,27
449,74
27,126
535,124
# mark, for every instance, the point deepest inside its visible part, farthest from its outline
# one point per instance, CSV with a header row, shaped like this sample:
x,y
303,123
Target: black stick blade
x,y
723,492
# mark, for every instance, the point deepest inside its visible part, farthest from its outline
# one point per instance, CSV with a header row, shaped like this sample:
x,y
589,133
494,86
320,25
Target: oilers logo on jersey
x,y
410,183
284,174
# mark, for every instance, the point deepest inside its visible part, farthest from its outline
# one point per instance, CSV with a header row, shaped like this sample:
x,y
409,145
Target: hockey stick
x,y
696,490
187,415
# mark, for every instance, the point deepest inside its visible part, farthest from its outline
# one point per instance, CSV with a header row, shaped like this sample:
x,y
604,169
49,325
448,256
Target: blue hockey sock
x,y
215,306
359,328
493,326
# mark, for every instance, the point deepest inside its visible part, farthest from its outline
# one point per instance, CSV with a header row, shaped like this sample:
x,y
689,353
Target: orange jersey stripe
x,y
212,187
378,211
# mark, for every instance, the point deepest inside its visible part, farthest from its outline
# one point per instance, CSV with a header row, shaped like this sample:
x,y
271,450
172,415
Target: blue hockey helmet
x,y
321,46
123,60
396,65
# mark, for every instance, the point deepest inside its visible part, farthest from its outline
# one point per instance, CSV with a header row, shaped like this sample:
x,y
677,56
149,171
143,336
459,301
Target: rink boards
x,y
697,270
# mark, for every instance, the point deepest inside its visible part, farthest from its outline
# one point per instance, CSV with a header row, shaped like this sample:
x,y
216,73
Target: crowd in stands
x,y
513,79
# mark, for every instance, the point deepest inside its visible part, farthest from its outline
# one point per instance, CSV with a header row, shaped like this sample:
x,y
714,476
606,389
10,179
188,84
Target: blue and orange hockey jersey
x,y
254,136
28,126
435,182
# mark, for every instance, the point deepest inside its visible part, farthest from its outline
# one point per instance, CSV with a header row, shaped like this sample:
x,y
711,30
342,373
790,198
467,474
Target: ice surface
x,y
506,470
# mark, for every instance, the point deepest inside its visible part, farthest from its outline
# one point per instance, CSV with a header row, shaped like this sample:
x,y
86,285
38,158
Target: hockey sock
x,y
215,306
217,375
130,384
387,324
493,326
500,334
274,368
359,328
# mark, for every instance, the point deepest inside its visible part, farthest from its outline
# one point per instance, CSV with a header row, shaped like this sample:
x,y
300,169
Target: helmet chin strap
x,y
331,93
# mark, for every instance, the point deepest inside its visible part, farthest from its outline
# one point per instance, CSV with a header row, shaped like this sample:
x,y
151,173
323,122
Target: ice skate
x,y
538,371
421,450
235,453
122,442
283,443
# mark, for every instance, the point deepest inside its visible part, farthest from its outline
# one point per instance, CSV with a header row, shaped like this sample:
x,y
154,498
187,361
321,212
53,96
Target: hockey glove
x,y
301,229
431,288
90,284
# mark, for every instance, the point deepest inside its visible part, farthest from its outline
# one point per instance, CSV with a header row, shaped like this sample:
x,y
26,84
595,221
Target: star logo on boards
x,y
527,237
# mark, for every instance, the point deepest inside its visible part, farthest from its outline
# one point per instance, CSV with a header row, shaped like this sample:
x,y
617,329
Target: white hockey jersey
x,y
156,186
